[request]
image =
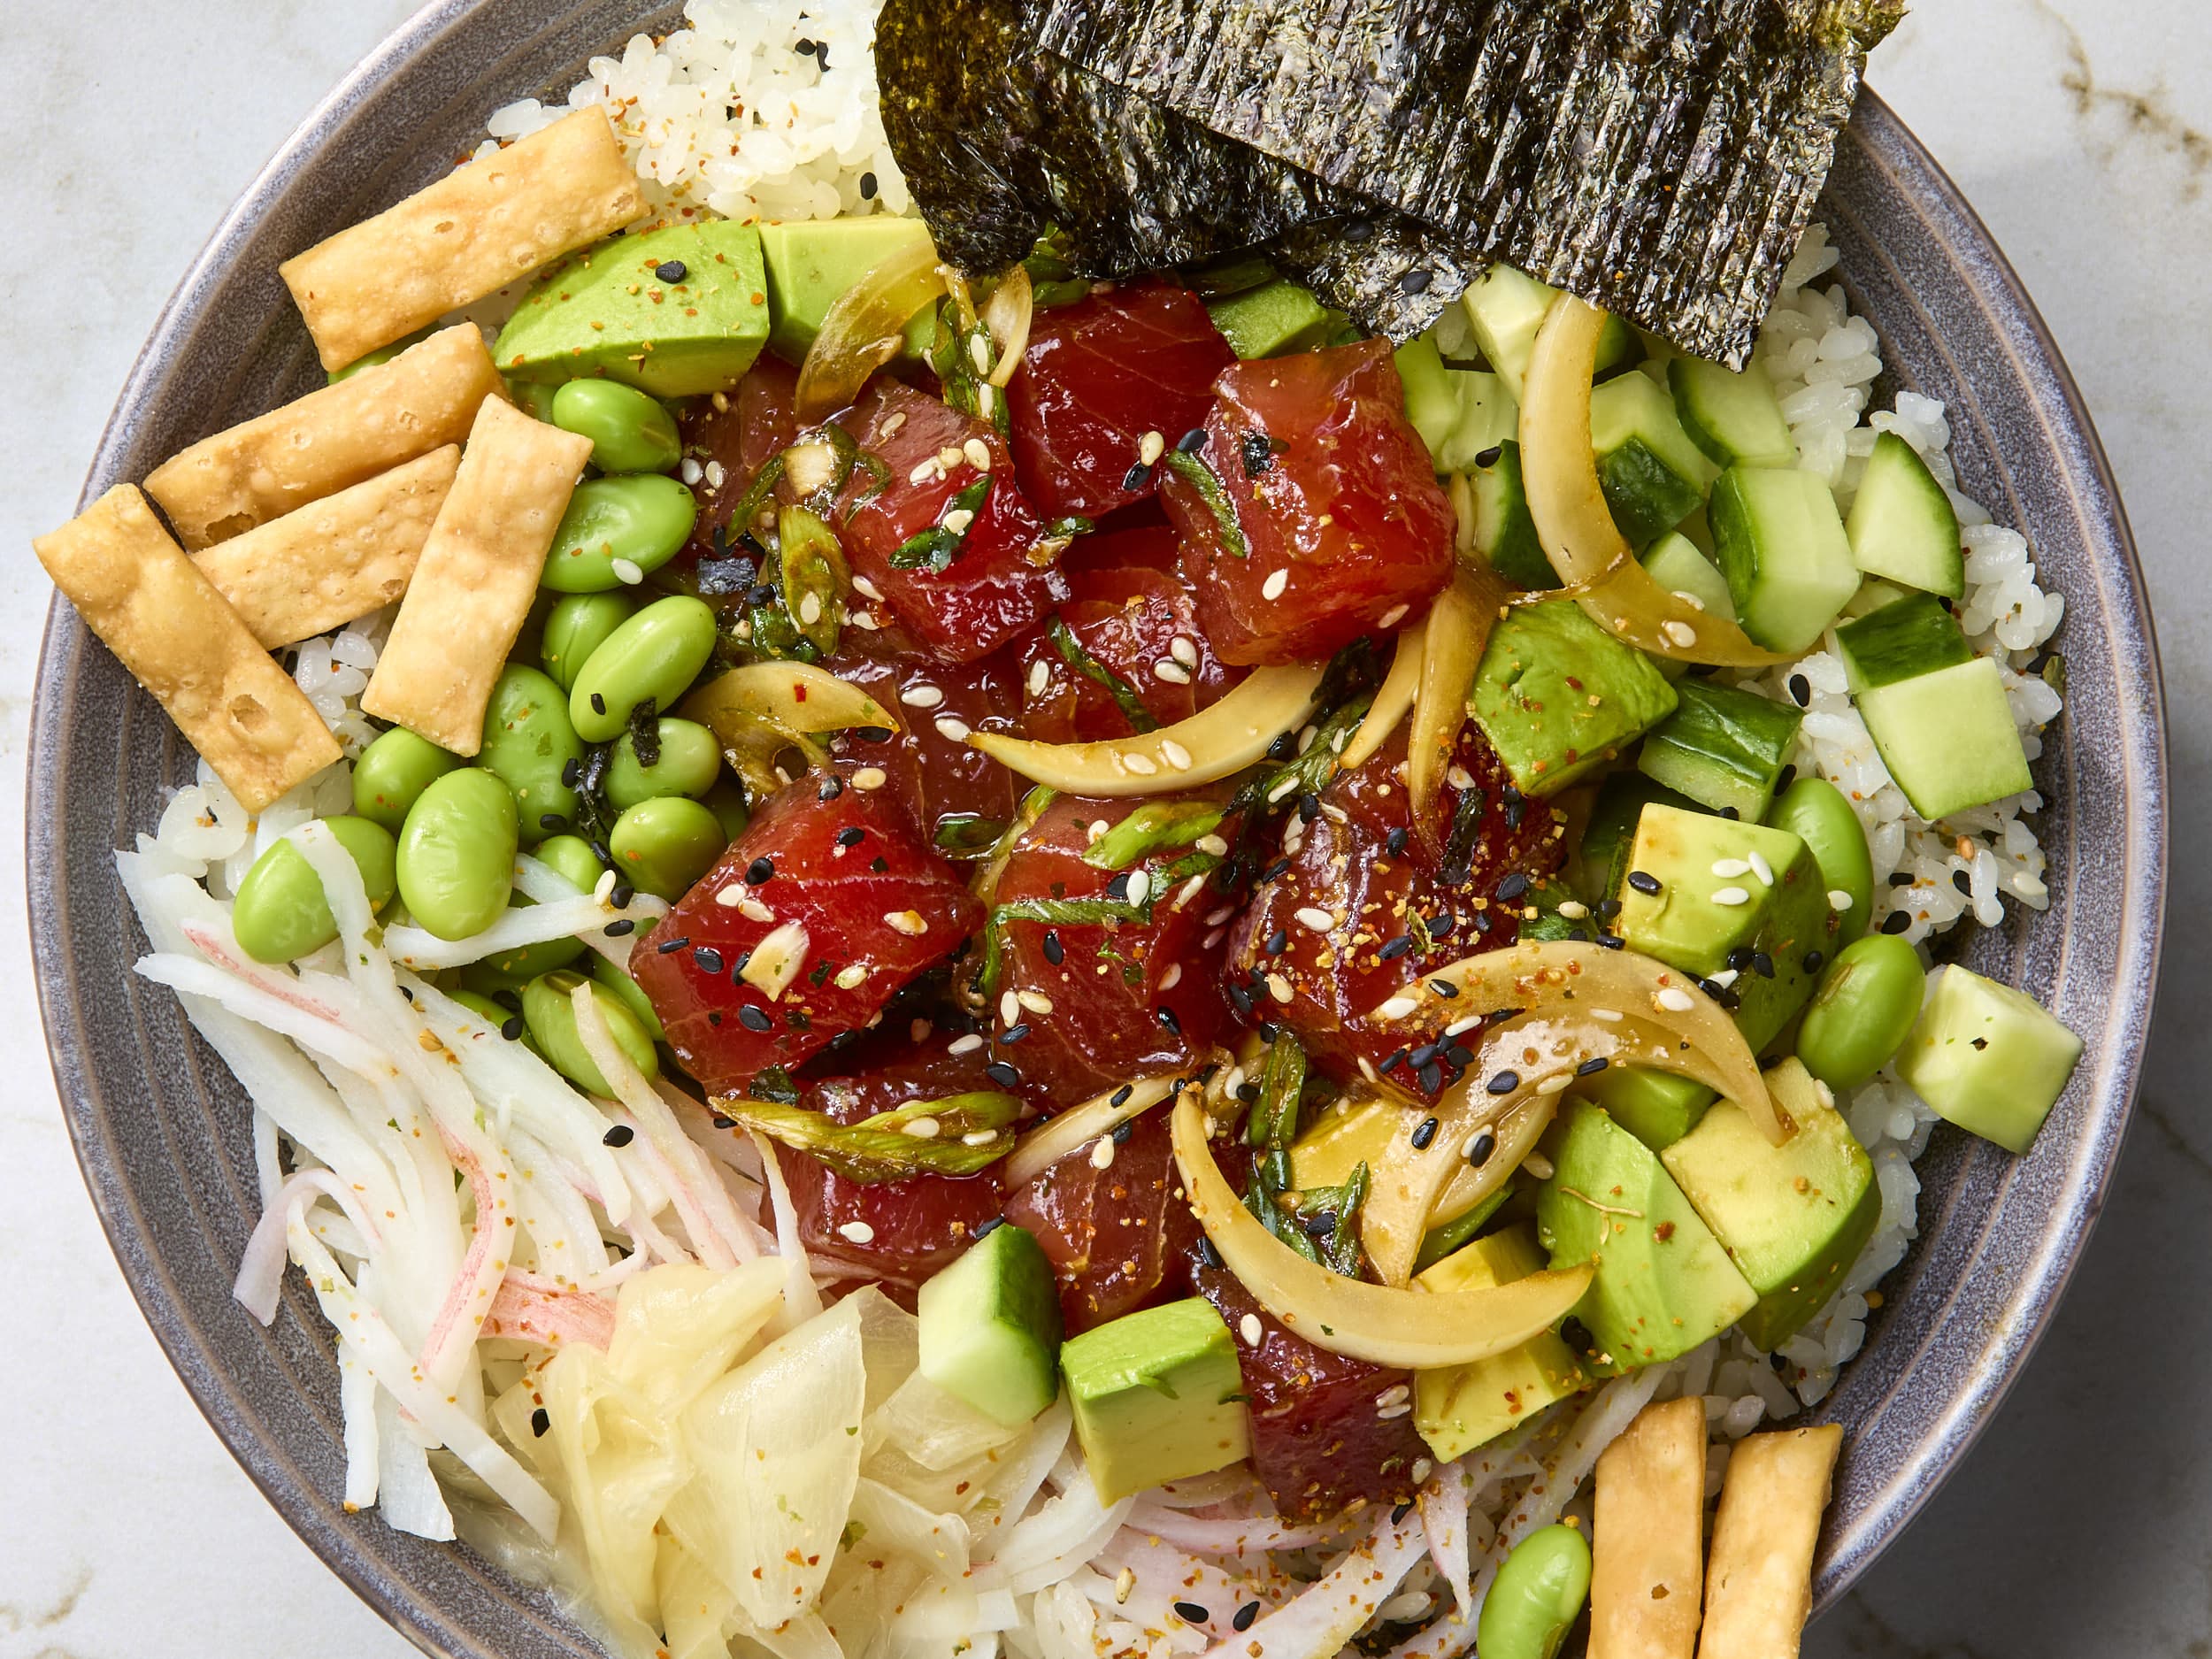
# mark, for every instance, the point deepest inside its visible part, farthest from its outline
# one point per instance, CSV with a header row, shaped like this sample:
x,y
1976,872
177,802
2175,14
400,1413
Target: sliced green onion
x,y
1202,479
933,549
1153,827
1124,695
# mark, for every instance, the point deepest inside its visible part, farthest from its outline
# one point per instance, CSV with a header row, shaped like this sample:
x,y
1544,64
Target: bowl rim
x,y
2043,1280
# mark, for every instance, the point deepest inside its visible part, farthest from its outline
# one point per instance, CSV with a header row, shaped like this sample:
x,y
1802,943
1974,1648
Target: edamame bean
x,y
633,995
509,970
661,847
482,1007
529,742
534,398
393,772
630,432
571,859
456,853
641,519
690,761
1536,1597
1863,1011
382,354
656,654
1815,812
726,802
549,1012
578,625
280,913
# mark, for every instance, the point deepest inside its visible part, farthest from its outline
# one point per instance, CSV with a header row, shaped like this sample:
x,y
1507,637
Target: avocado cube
x,y
1272,319
1792,1217
813,264
609,311
1157,1396
1664,1283
990,1327
1987,1058
1658,1108
1458,1407
1558,696
1700,889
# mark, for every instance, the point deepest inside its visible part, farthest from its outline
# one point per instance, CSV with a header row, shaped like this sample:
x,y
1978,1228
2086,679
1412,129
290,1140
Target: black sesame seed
x,y
1278,943
671,271
620,1135
760,594
1120,1096
620,925
1896,921
1003,1074
1284,746
1395,948
509,1001
1483,922
1732,814
1440,925
542,1424
1398,1515
1963,882
1359,230
721,1122
553,822
1280,867
1484,1144
669,946
868,193
1784,778
832,788
1813,959
1590,1067
1191,1613
1612,942
1395,1057
1121,1133
821,55
1491,456
1168,1022
1014,1032
879,863
991,1225
1431,1078
1800,690
805,48
1740,958
620,895
1901,879
1248,1093
1134,478
754,1018
1309,806
1246,1614
1424,1133
1055,952
1609,908
714,1016
1394,843
708,958
1414,282
1422,1054
1242,998
759,871
1460,1055
598,703
1763,964
851,835
510,1028
1443,987
571,771
873,733
1643,881
1504,1083
1192,441
1512,887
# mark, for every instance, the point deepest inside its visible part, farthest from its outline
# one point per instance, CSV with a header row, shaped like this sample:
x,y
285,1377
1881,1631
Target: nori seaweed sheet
x,y
997,140
1658,156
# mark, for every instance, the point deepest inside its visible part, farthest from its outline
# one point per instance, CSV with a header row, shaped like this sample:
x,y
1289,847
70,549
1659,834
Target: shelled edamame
x,y
1536,1597
1862,1010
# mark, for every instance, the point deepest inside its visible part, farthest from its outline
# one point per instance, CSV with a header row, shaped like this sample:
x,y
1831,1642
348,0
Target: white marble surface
x,y
2077,127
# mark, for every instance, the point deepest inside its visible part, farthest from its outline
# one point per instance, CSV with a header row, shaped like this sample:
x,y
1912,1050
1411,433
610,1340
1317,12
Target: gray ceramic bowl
x,y
160,1126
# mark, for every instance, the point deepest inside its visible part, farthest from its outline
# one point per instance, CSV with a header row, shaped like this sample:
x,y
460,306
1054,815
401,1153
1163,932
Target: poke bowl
x,y
1897,316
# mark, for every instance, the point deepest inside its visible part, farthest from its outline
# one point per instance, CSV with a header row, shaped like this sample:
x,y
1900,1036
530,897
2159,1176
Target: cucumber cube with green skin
x,y
1723,748
1460,413
1505,308
1653,476
813,264
1987,1057
1276,318
990,1327
1716,896
1676,566
1157,1396
1658,1108
1663,1285
1734,418
1902,525
1558,696
1457,1407
1914,635
1781,546
1792,1217
609,311
1937,714
1505,534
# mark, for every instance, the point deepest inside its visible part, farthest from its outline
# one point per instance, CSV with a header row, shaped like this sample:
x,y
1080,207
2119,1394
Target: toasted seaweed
x,y
1658,156
997,141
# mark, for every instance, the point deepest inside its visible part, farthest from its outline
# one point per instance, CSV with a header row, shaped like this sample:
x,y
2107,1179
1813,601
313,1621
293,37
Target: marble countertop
x,y
2081,130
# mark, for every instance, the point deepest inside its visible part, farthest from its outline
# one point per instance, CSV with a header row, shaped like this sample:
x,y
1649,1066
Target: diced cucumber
x,y
1506,307
1653,475
1734,417
1273,319
1988,1058
1460,414
1948,738
990,1327
1504,533
1782,548
1902,525
1602,860
1723,748
1872,597
1676,566
1913,636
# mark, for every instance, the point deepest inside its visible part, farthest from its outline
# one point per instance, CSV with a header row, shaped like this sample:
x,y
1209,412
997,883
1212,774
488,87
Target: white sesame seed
x,y
978,454
867,589
979,353
1573,909
1143,765
956,521
1036,1002
1102,1153
1397,1393
922,1128
809,609
851,978
1689,599
1422,1470
870,778
604,888
1212,844
1172,978
968,1044
1140,887
1184,651
1679,634
986,397
1761,868
729,898
1279,988
716,475
1675,1000
1010,1007
1839,900
948,457
1096,830
1213,936
924,471
626,572
865,620
1216,917
1393,617
753,910
1407,1606
1726,978
1460,778
1610,1016
1040,677
1124,1581
1555,1084
1250,1329
890,426
1289,785
907,922
1315,919
1189,890
1731,896
1150,448
1397,1008
858,1232
922,696
1394,1411
1175,754
1168,669
1273,586
979,1137
1728,869
1460,1027
690,472
1538,1166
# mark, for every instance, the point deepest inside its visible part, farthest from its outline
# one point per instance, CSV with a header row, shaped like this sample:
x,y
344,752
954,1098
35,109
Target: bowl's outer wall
x,y
161,1127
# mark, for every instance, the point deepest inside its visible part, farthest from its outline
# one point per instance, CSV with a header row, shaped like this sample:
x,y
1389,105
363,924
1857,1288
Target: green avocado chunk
x,y
1457,1407
1792,1217
1157,1396
1988,1058
1558,696
1664,1283
1717,897
1658,1108
1275,318
813,264
608,310
990,1327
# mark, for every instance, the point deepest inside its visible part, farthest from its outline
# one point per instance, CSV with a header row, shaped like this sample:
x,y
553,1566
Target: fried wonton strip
x,y
341,558
476,578
328,440
1759,1586
137,590
470,235
1648,1541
